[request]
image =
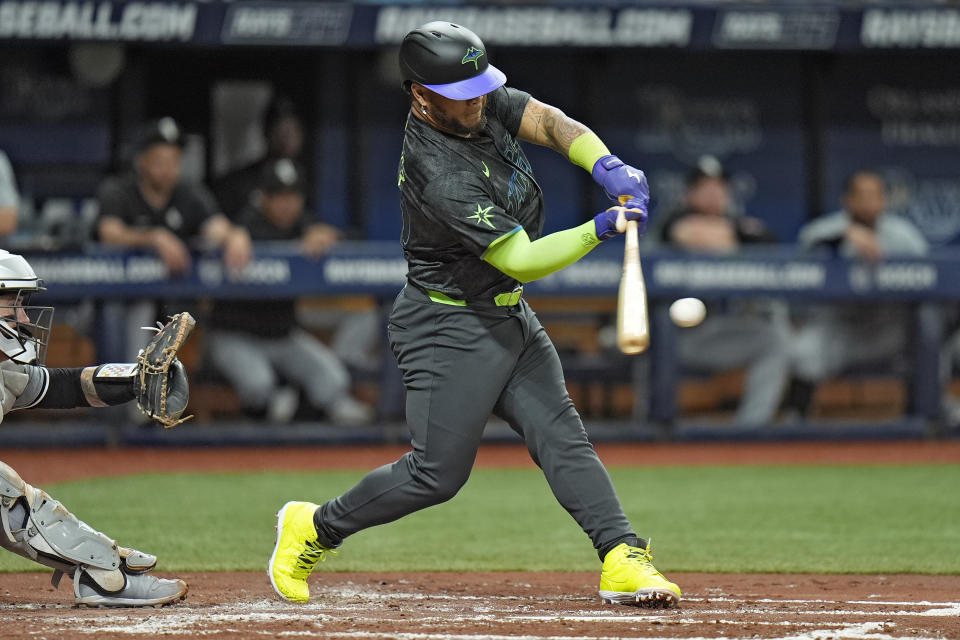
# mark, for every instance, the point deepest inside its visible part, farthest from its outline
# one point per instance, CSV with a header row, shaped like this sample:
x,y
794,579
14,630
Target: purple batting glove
x,y
619,179
606,221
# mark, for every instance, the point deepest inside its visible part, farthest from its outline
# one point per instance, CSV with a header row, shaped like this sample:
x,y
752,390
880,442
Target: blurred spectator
x,y
356,335
9,197
152,208
256,351
831,339
283,132
736,333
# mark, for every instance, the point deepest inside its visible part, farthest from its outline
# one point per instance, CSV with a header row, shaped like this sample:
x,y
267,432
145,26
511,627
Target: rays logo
x,y
473,55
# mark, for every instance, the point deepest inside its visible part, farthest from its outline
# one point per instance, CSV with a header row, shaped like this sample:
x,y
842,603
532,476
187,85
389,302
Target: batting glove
x,y
613,221
619,179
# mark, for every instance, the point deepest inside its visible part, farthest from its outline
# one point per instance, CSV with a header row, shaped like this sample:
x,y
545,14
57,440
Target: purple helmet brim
x,y
473,87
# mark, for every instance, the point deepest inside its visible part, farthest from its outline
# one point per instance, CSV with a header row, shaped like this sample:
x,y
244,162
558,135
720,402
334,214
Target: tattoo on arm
x,y
549,127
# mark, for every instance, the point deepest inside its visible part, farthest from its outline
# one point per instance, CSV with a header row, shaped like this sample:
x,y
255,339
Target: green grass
x,y
883,519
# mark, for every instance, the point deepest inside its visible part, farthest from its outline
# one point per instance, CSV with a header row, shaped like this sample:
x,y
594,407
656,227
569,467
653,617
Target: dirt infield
x,y
43,466
490,606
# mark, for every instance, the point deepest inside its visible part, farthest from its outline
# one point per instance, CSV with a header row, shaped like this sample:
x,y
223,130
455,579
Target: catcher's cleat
x,y
140,591
296,552
629,577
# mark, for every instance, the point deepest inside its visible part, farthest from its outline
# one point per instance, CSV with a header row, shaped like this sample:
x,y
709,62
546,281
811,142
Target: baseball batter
x,y
467,342
33,524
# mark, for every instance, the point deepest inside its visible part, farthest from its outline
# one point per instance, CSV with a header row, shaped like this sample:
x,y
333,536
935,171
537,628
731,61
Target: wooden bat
x,y
633,327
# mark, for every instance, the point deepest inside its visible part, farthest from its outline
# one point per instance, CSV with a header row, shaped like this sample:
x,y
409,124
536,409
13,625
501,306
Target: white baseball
x,y
688,312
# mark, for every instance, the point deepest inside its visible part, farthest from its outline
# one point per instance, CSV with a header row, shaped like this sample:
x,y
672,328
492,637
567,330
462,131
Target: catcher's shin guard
x,y
37,527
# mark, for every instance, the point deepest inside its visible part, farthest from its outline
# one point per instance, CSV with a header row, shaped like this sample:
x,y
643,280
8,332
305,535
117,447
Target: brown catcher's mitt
x,y
161,382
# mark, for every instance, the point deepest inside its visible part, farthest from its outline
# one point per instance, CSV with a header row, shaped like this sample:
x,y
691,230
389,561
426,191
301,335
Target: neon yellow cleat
x,y
297,551
629,577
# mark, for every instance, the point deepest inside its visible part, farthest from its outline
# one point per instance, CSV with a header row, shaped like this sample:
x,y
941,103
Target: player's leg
x,y
311,365
243,362
454,364
723,343
40,528
536,404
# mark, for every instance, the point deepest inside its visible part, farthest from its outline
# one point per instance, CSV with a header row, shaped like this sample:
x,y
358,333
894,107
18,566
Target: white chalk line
x,y
316,613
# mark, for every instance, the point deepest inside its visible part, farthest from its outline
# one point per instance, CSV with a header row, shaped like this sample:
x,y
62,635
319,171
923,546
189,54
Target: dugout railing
x,y
378,270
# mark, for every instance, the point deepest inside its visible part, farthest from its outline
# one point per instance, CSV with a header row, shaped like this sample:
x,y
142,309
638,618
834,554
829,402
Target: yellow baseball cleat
x,y
296,552
629,577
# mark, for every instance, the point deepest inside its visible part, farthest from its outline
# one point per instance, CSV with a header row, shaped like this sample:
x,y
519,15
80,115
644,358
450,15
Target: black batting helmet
x,y
448,59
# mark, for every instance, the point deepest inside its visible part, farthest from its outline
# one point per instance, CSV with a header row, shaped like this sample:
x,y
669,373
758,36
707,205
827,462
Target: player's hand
x,y
864,242
620,180
237,248
318,239
172,251
613,221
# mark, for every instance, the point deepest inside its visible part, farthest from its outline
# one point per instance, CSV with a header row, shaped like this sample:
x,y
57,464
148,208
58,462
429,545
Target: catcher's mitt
x,y
161,382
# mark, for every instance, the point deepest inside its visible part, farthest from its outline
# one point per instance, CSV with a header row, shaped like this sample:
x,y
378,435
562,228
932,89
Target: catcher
x,y
32,523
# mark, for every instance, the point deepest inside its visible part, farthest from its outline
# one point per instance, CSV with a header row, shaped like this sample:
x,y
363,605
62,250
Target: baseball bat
x,y
633,327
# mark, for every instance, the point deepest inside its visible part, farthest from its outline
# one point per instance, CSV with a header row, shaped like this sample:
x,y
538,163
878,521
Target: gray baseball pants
x,y
459,365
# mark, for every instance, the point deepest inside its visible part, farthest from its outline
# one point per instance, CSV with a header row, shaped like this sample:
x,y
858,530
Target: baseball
x,y
688,312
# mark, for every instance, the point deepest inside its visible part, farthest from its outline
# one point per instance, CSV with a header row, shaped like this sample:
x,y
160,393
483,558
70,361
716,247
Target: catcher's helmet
x,y
24,330
448,59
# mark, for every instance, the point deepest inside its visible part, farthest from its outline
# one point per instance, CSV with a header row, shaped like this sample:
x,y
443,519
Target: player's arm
x,y
550,127
28,386
115,232
233,239
522,259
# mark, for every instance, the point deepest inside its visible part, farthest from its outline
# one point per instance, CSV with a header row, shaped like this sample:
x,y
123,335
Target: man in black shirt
x,y
466,341
153,208
257,349
32,523
284,137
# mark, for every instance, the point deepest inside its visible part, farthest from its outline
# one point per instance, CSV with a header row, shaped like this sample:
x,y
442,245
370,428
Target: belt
x,y
507,299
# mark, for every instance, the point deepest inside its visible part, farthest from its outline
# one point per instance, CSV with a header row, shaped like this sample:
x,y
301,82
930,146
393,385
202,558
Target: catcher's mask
x,y
448,59
24,329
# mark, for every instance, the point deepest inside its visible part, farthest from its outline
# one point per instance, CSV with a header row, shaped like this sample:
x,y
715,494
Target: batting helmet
x,y
448,59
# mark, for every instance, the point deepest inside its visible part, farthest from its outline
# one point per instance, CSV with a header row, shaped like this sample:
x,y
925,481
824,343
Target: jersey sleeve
x,y
206,200
8,186
203,206
459,204
507,104
112,201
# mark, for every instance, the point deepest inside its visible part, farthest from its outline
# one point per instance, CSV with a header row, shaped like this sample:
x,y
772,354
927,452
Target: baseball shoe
x,y
140,591
296,552
629,577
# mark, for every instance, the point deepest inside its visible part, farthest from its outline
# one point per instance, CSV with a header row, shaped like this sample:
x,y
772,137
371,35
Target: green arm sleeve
x,y
522,260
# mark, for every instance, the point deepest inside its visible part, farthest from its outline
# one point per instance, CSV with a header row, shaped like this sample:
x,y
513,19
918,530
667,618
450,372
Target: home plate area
x,y
491,606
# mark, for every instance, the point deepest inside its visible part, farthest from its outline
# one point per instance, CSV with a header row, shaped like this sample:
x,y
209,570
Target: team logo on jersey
x,y
486,169
473,55
482,215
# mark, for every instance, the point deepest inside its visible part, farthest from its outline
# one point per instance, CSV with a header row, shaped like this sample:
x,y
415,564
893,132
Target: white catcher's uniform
x,y
36,526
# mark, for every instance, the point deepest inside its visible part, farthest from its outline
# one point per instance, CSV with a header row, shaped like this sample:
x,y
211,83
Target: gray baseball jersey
x,y
458,195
